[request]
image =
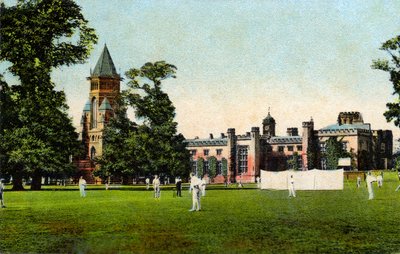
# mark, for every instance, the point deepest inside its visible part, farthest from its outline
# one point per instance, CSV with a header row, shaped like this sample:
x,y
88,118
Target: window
x,y
94,113
280,149
219,167
206,151
206,167
290,148
299,148
219,151
344,146
193,152
242,159
92,153
322,147
194,166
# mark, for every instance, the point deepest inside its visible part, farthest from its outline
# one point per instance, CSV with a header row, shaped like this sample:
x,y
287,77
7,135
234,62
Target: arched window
x,y
92,153
94,113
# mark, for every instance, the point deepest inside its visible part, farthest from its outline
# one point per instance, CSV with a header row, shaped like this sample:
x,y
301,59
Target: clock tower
x,y
269,125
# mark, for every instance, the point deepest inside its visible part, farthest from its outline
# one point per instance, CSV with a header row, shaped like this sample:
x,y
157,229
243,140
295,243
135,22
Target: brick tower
x,y
104,88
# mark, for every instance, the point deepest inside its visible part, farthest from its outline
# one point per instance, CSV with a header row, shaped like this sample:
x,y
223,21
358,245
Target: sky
x,y
236,59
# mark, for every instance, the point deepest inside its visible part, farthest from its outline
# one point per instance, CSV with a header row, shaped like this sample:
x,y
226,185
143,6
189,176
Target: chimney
x,y
222,135
292,132
211,136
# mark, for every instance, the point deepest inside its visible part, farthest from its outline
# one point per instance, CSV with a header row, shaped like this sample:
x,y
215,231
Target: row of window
x,y
206,152
289,148
206,167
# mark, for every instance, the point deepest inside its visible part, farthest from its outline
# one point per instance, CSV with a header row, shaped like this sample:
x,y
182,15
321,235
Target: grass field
x,y
130,220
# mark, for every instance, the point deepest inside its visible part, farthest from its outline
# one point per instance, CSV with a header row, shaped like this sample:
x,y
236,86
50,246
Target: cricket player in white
x,y
147,183
258,179
358,181
370,179
156,186
292,192
195,185
82,186
379,180
203,186
1,194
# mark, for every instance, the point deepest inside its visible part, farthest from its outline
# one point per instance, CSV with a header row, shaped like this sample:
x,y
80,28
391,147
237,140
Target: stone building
x,y
247,154
104,87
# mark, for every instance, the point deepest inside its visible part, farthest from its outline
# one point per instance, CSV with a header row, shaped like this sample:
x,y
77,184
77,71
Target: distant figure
x,y
379,180
292,192
240,185
195,184
370,179
358,181
1,194
258,180
178,187
147,183
107,186
226,183
156,186
82,186
203,186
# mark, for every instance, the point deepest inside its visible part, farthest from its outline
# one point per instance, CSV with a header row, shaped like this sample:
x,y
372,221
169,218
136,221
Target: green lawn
x,y
130,220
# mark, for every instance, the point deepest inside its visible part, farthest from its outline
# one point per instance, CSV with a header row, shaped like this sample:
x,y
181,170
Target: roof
x,y
207,142
105,66
105,105
337,127
269,119
286,140
87,106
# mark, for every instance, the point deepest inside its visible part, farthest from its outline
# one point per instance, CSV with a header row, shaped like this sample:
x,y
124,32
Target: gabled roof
x,y
105,66
207,142
105,105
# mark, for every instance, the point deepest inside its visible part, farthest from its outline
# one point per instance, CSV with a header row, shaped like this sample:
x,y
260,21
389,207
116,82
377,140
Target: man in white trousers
x,y
358,181
82,186
156,186
195,185
292,192
203,186
370,179
1,194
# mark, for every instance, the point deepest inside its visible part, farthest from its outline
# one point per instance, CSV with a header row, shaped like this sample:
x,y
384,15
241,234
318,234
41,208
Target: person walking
x,y
82,186
156,187
195,184
292,192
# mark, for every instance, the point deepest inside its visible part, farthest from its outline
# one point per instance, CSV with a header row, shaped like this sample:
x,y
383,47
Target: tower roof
x,y
105,65
269,119
105,105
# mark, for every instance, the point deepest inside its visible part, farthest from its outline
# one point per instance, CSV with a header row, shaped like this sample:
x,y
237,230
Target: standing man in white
x,y
203,186
358,181
1,193
156,186
292,192
82,186
370,179
147,183
258,179
379,180
195,185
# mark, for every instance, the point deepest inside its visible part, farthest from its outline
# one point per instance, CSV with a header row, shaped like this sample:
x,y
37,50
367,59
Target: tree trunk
x,y
36,181
17,180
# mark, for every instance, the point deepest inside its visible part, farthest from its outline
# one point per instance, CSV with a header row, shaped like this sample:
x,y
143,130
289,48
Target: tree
x,y
37,36
224,167
212,167
334,151
117,159
293,162
200,167
163,149
392,48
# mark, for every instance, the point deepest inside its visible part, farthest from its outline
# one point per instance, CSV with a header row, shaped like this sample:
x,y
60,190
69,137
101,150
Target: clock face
x,y
266,128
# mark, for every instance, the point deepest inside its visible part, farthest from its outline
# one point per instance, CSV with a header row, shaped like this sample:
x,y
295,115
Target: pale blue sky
x,y
237,58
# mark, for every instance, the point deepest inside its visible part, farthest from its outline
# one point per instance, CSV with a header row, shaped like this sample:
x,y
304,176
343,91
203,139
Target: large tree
x,y
333,151
162,147
392,66
37,36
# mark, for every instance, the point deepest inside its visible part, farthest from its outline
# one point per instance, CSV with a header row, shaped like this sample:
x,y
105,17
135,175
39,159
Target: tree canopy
x,y
392,66
37,36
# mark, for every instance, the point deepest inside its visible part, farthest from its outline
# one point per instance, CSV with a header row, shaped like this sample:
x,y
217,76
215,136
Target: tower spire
x,y
105,66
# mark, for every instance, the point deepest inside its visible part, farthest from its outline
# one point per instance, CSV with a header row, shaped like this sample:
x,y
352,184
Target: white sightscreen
x,y
303,180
